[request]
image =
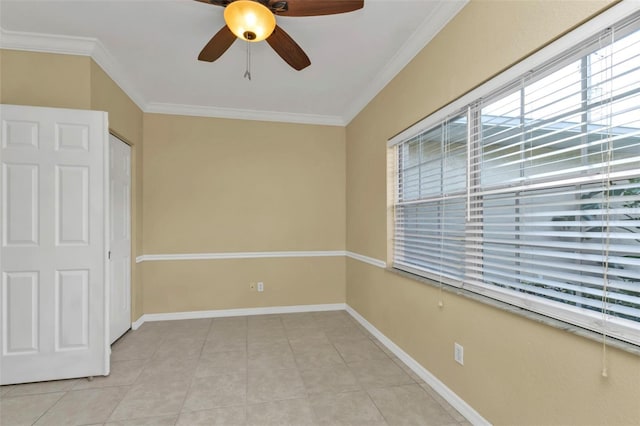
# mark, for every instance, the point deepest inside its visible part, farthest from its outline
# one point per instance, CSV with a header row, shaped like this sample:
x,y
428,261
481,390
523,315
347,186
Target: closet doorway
x,y
120,238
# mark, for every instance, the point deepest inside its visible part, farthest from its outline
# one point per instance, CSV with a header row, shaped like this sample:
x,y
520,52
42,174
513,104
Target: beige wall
x,y
44,79
214,185
517,371
67,81
233,186
125,121
218,186
201,285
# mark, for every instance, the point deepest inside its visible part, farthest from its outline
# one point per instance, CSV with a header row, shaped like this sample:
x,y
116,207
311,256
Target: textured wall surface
x,y
76,82
516,371
220,186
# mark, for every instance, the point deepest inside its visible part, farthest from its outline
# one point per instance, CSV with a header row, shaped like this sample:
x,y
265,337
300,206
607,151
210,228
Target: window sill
x,y
533,316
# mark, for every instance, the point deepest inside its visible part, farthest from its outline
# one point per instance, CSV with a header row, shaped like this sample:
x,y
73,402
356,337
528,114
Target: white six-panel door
x,y
53,303
120,245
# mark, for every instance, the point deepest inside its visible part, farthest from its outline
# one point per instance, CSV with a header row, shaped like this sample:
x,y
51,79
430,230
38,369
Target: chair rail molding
x,y
260,254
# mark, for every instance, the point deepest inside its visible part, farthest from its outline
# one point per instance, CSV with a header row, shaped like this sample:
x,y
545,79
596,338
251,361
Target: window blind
x,y
429,213
531,195
558,181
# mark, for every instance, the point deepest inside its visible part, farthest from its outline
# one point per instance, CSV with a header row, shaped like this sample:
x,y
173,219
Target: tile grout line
x,y
377,408
295,360
144,366
395,360
193,377
124,394
47,410
246,388
341,333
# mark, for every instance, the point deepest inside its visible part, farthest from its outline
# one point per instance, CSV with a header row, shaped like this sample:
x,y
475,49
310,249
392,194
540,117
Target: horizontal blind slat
x,y
534,194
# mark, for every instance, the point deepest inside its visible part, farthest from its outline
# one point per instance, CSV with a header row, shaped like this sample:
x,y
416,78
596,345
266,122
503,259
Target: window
x,y
430,217
530,193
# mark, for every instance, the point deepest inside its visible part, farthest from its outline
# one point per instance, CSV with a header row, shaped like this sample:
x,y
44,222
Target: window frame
x,y
493,89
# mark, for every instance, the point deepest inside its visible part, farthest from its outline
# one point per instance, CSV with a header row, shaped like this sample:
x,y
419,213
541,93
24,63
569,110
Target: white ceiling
x,y
150,48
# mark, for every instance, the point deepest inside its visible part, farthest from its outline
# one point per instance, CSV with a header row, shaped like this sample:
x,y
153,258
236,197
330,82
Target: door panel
x,y
53,255
72,205
120,245
20,291
72,310
20,204
20,134
72,137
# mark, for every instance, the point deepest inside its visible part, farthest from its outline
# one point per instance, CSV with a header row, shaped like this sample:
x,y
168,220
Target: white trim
x,y
367,259
92,47
66,45
243,114
442,13
270,310
137,323
586,30
48,43
456,402
238,255
112,68
260,254
106,175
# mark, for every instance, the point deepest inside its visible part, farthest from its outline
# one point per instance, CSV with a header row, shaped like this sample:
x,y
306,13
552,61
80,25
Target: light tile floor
x,y
319,368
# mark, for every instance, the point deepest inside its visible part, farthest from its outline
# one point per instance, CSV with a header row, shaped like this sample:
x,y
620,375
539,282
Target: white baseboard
x,y
236,312
456,402
137,323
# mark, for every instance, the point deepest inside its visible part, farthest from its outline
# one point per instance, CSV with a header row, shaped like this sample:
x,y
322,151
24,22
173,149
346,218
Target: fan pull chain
x,y
247,73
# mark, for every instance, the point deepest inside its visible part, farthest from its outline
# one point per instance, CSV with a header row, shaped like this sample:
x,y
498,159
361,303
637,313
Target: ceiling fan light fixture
x,y
249,20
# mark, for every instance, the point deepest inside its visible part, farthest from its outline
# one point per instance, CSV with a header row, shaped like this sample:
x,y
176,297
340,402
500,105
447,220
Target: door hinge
x,y
109,254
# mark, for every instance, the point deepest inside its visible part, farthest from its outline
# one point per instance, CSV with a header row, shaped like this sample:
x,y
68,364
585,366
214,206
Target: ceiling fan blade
x,y
222,3
314,7
288,49
218,44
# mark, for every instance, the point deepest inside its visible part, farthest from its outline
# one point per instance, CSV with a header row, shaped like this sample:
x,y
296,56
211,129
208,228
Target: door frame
x,y
131,146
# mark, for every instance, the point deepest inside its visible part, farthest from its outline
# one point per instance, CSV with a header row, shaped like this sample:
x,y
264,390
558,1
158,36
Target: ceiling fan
x,y
254,20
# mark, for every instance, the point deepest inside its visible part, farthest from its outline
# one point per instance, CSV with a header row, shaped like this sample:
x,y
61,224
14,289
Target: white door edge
x,y
107,275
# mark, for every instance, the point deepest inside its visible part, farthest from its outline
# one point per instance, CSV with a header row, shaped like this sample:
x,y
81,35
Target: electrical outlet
x,y
458,353
260,286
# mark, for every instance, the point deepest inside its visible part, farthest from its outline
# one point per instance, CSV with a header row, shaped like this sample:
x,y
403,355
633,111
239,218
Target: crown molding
x,y
243,114
92,47
440,16
109,65
442,13
48,43
79,46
